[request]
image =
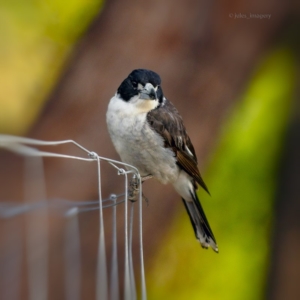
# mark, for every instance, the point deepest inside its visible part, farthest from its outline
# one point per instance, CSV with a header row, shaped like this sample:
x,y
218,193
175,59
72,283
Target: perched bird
x,y
148,133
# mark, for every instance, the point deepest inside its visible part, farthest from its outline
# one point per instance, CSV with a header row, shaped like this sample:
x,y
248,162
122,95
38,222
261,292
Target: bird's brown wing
x,y
167,122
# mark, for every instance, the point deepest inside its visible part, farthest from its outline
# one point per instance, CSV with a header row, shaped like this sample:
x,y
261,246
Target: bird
x,y
148,133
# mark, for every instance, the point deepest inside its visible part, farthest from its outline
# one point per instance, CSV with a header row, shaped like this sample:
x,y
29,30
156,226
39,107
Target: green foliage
x,y
242,179
36,36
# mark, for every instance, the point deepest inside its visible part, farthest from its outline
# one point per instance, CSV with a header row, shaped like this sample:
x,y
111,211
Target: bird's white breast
x,y
135,141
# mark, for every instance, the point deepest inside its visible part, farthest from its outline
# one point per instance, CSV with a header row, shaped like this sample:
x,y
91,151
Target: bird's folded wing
x,y
167,122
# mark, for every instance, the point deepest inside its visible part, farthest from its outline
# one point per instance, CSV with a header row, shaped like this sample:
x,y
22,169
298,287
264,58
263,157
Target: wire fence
x,y
35,209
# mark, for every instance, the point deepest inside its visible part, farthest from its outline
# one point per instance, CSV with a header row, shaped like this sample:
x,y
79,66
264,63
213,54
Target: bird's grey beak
x,y
148,93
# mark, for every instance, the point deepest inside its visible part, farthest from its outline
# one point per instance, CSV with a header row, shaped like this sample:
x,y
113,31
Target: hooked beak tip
x,y
148,93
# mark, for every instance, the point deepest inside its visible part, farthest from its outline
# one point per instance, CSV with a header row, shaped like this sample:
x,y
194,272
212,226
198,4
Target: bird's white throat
x,y
132,107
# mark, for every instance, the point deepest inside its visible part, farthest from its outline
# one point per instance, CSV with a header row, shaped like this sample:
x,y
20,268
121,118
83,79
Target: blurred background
x,y
232,70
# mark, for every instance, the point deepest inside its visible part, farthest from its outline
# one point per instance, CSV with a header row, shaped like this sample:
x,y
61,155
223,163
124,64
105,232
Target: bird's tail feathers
x,y
200,224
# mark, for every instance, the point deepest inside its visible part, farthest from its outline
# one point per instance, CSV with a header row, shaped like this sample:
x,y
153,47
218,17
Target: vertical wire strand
x,y
11,259
143,280
72,256
131,270
127,286
114,276
101,285
36,230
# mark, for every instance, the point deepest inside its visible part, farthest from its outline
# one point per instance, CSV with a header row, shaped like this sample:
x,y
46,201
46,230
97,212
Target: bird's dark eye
x,y
134,84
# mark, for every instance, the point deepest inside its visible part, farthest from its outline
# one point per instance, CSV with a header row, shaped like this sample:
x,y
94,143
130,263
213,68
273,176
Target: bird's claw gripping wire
x,y
134,188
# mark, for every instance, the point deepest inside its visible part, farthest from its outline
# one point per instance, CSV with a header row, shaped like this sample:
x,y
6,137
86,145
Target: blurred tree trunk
x,y
204,53
285,263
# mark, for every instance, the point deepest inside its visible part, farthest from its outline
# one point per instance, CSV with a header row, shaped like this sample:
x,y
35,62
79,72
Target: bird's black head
x,y
141,82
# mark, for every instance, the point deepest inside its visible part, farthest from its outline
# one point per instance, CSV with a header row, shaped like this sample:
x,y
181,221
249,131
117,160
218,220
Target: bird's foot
x,y
144,178
134,188
145,199
149,176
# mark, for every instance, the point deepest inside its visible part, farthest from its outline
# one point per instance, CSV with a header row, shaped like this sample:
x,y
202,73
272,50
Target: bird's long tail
x,y
199,221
